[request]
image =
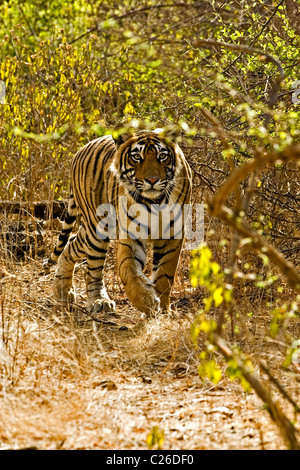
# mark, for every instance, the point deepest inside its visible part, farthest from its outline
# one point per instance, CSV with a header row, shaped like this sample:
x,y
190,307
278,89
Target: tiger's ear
x,y
121,135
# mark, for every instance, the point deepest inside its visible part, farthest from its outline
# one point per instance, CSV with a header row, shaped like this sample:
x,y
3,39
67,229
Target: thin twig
x,y
209,43
287,429
258,243
262,161
279,386
134,12
257,35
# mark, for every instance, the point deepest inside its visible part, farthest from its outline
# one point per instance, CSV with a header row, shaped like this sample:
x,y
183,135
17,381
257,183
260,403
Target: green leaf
x,y
210,370
218,296
155,438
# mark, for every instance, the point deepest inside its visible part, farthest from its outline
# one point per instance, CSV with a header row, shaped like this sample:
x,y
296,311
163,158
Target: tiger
x,y
146,168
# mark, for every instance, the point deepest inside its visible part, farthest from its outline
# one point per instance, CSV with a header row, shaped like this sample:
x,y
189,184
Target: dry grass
x,y
68,382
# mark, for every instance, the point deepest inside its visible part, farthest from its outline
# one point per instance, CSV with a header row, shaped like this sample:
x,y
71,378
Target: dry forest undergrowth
x,y
69,382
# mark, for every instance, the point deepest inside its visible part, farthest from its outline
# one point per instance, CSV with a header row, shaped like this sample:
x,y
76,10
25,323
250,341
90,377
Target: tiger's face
x,y
148,167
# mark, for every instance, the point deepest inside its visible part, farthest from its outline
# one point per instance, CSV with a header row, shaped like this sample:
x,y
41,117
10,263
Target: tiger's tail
x,y
67,226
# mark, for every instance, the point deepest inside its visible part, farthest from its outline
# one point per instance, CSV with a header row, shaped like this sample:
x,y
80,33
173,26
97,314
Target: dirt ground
x,y
68,382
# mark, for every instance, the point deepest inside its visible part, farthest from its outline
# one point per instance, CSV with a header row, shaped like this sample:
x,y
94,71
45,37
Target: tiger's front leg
x,y
98,298
165,259
140,290
63,289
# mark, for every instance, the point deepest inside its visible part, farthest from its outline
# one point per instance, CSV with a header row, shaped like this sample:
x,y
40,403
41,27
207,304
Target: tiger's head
x,y
147,165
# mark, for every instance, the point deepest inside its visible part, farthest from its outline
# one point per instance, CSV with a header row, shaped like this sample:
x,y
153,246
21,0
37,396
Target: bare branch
x,y
258,242
137,11
287,429
261,161
240,47
279,386
209,43
253,41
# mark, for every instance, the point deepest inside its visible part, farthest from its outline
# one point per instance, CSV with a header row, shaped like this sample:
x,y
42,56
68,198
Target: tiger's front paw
x,y
63,291
101,306
145,299
154,305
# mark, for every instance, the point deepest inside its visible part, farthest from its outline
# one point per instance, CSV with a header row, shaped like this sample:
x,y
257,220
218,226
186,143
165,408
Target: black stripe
x,y
124,259
65,233
92,245
162,247
95,268
70,219
125,244
164,275
158,256
60,276
163,263
140,243
95,258
140,261
76,250
97,288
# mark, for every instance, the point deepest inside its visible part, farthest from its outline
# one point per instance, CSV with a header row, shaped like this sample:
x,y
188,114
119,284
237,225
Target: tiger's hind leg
x,y
140,290
63,289
98,299
165,259
67,226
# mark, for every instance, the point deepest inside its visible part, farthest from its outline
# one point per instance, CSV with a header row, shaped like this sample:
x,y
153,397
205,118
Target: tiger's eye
x,y
136,157
163,156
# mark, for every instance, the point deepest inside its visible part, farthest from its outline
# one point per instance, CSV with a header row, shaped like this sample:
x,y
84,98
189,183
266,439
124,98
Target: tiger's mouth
x,y
155,192
150,195
152,192
141,191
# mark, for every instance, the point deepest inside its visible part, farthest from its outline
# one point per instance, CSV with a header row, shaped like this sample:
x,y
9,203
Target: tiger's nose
x,y
152,179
